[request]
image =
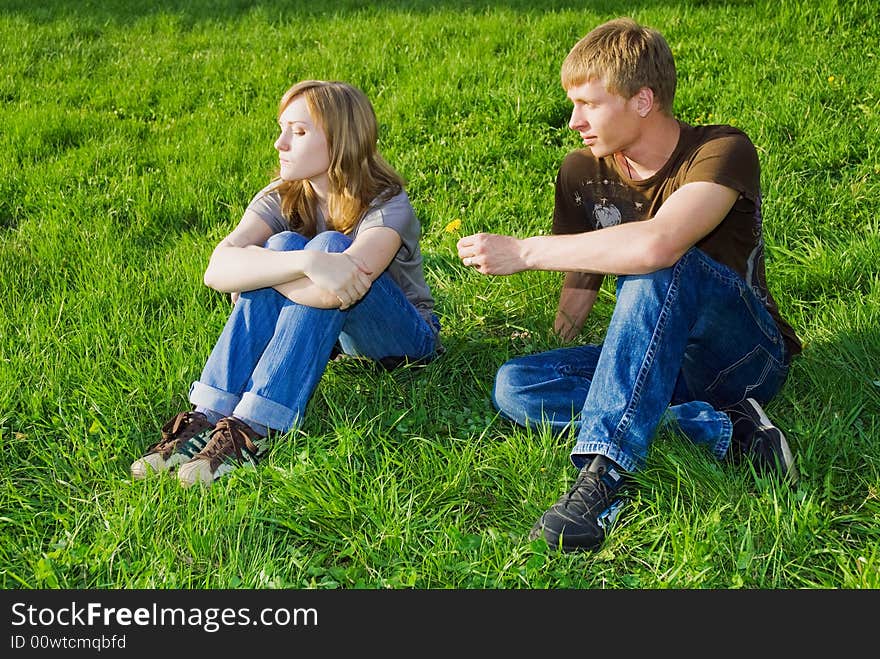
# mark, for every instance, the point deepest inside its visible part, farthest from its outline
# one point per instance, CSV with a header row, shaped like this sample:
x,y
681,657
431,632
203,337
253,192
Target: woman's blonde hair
x,y
628,57
358,174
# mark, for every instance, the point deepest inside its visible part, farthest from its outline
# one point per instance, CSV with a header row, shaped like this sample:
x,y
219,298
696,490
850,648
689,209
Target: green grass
x,y
134,136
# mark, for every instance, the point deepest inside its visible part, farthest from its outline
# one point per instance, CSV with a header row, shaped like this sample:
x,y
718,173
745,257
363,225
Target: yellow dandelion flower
x,y
453,226
830,78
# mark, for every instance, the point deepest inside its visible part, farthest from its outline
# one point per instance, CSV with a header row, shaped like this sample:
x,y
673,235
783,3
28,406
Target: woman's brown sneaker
x,y
182,437
232,443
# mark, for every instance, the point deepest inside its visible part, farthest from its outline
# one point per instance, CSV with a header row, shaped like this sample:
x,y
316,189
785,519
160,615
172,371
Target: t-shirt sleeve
x,y
730,160
266,205
396,213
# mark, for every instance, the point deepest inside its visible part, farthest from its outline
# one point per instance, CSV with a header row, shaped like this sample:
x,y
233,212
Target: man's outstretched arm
x,y
689,214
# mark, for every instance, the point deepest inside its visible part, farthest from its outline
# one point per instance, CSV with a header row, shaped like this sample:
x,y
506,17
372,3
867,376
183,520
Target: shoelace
x,y
596,489
171,428
171,431
228,433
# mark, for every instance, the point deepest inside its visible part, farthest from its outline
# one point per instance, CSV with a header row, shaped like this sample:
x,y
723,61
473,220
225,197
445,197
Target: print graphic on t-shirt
x,y
607,202
755,276
605,214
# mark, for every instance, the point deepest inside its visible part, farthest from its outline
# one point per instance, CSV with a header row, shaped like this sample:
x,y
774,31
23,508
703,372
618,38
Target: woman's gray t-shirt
x,y
396,213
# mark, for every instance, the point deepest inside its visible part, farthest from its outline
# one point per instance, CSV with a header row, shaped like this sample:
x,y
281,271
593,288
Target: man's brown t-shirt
x,y
594,193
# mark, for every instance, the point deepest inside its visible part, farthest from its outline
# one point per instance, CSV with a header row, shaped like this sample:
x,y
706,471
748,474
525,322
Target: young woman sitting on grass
x,y
326,257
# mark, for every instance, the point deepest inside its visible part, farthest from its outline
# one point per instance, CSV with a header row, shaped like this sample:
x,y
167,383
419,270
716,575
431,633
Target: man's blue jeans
x,y
272,351
683,343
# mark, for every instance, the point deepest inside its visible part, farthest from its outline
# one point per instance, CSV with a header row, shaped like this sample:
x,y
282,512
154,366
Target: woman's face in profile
x,y
302,146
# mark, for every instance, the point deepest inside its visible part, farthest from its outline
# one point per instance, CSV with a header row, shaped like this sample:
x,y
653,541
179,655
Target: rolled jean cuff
x,y
266,412
204,395
613,453
721,447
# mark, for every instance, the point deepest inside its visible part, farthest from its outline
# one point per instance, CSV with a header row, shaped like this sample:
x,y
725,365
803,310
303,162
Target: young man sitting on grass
x,y
695,339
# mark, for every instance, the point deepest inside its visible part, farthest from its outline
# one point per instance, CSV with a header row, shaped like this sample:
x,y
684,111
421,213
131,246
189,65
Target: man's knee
x,y
688,261
640,287
508,385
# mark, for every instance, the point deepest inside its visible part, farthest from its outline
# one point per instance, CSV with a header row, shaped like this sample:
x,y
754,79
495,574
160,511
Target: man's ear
x,y
644,101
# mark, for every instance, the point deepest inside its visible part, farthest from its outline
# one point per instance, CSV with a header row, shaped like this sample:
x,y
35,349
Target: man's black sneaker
x,y
756,438
582,517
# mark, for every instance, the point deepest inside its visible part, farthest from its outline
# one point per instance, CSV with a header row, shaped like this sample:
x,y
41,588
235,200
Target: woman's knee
x,y
330,241
285,241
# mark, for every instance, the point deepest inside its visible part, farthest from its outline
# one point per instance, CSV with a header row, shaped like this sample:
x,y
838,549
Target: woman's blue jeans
x,y
273,351
683,344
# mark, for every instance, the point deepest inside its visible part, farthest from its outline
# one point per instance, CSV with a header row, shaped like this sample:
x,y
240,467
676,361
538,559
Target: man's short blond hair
x,y
627,56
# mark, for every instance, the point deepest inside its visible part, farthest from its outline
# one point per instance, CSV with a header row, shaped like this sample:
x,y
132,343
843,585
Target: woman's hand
x,y
342,274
